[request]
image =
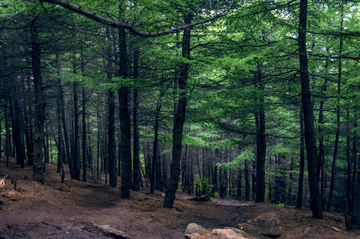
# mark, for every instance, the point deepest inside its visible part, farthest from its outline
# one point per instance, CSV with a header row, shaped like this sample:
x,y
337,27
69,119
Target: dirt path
x,y
76,209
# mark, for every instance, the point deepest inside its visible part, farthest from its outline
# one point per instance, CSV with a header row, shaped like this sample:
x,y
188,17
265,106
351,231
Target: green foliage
x,y
203,187
247,154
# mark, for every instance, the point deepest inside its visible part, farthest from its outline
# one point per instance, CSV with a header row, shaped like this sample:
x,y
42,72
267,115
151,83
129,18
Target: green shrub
x,y
203,187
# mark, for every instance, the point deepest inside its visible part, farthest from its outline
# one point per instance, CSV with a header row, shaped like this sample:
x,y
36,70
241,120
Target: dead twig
x,y
2,183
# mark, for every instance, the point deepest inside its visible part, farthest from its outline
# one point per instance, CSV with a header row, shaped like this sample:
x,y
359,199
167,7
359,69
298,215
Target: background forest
x,y
181,92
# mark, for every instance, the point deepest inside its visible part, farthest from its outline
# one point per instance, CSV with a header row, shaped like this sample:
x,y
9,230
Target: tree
x,y
310,141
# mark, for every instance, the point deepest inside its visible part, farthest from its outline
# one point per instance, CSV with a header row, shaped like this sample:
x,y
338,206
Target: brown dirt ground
x,y
70,210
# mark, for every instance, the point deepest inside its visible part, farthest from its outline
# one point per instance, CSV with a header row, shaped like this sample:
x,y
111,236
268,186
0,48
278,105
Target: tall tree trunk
x,y
76,145
111,139
247,181
136,146
60,138
7,139
337,121
239,184
310,140
111,118
83,108
125,149
261,141
63,119
46,144
299,201
39,166
155,148
17,131
179,119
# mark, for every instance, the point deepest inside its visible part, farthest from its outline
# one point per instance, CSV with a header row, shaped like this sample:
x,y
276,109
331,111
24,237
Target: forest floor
x,y
75,209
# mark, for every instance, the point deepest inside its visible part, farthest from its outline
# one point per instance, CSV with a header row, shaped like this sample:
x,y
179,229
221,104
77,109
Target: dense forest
x,y
251,100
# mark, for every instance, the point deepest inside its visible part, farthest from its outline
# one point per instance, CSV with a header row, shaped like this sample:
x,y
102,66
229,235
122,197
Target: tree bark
x,y
179,119
337,120
136,146
76,142
125,149
299,201
261,141
39,166
247,181
310,140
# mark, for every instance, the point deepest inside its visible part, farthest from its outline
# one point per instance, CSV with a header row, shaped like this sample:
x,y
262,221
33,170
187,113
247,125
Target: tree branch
x,y
115,24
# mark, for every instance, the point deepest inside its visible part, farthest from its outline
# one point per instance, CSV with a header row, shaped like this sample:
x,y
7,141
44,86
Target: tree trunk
x,y
111,139
83,107
136,146
179,119
39,166
261,141
7,132
125,149
299,201
310,140
17,132
155,148
239,185
247,181
76,142
337,120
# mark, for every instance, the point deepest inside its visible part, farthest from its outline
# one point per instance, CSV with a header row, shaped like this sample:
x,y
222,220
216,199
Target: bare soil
x,y
75,209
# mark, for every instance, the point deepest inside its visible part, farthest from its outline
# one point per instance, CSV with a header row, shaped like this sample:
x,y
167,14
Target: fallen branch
x,y
2,183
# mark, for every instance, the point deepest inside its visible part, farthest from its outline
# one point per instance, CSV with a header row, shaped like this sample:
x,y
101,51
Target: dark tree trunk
x,y
270,179
83,107
299,201
125,149
158,171
310,140
261,141
253,181
337,121
111,139
17,132
39,166
7,139
29,125
111,120
60,137
247,181
289,196
76,142
62,106
84,156
355,170
239,184
215,179
98,169
46,143
179,119
155,148
136,146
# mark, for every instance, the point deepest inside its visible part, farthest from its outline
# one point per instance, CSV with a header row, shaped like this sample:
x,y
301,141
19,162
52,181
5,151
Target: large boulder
x,y
268,224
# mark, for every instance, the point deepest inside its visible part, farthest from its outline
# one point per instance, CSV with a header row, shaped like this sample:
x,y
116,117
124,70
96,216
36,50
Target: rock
x,y
228,233
193,227
268,224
